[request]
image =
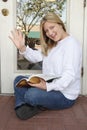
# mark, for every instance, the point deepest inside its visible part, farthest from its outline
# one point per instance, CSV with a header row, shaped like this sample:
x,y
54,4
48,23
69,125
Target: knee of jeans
x,y
17,79
30,98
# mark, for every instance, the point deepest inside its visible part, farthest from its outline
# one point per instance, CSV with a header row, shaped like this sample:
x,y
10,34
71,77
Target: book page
x,y
24,81
45,77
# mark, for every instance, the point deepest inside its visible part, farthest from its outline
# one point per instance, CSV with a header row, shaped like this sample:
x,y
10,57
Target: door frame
x,y
84,81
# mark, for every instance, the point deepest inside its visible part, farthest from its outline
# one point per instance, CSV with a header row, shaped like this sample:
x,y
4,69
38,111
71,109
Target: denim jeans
x,y
38,97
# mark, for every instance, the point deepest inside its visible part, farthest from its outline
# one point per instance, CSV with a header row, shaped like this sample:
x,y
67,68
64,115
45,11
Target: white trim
x,y
84,90
68,16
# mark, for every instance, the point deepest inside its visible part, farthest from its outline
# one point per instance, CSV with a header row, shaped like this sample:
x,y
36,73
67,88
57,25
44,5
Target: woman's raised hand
x,y
18,39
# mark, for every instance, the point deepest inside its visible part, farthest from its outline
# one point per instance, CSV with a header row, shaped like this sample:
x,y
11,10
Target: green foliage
x,y
30,12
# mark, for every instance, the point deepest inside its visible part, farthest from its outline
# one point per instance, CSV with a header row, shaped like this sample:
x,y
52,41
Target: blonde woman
x,y
60,55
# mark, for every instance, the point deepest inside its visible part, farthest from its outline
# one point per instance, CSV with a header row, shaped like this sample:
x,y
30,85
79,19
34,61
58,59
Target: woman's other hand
x,y
18,39
41,85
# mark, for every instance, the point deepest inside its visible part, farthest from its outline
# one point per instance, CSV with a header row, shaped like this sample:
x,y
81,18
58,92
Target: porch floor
x,y
74,118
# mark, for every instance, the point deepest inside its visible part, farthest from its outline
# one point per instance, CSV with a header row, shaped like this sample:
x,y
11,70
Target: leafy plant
x,y
30,12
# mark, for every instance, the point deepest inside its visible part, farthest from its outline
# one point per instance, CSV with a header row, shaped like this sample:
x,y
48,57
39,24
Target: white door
x,y
8,53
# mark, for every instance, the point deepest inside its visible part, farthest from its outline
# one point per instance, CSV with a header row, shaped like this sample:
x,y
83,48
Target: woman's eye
x,y
51,27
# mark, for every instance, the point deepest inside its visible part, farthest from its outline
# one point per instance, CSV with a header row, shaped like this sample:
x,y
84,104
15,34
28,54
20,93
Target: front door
x,y
8,53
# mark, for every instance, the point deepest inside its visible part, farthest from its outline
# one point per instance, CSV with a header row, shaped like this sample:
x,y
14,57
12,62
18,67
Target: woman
x,y
61,55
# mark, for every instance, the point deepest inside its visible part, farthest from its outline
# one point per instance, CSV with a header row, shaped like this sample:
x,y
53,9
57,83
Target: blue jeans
x,y
38,97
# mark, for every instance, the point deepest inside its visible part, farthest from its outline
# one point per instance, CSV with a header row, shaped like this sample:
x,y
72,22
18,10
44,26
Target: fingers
x,y
18,39
16,32
13,35
19,32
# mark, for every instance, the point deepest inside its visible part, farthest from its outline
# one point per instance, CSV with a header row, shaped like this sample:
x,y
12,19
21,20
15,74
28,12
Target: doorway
x,y
8,53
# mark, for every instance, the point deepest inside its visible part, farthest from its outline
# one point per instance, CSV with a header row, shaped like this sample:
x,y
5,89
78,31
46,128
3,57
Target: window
x,y
29,14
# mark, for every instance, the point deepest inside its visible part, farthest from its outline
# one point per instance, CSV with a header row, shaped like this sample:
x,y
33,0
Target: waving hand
x,y
18,39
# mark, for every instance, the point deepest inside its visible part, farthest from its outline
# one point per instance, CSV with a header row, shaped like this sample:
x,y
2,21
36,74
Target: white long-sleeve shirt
x,y
64,60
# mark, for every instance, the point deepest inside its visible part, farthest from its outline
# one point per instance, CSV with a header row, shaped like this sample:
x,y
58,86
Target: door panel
x,y
7,49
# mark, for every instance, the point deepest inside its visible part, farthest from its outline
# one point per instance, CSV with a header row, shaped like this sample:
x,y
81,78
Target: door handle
x,y
5,12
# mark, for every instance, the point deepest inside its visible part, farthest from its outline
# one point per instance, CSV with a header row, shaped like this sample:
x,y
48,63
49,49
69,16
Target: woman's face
x,y
54,31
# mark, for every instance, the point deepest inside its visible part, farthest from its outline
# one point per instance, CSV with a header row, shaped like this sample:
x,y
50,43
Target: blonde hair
x,y
46,42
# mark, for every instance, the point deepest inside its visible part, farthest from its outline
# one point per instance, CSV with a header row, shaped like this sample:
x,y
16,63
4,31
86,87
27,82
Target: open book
x,y
35,79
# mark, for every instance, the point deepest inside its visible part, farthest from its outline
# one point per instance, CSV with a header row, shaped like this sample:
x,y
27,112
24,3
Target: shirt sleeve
x,y
71,68
32,55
